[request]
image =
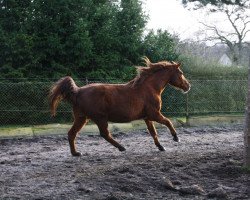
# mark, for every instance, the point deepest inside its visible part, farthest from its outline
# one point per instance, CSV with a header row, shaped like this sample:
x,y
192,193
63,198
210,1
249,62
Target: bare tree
x,y
239,21
203,3
244,4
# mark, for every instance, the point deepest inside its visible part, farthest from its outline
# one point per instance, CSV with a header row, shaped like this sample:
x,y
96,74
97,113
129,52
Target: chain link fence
x,y
26,103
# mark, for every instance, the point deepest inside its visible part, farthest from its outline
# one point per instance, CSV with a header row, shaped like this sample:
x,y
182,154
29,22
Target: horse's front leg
x,y
163,120
153,133
104,132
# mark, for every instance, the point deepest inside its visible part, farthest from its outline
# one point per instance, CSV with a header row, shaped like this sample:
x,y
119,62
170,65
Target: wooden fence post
x,y
187,111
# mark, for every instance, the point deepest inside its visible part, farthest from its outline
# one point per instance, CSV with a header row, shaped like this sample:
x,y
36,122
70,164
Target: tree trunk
x,y
247,123
240,52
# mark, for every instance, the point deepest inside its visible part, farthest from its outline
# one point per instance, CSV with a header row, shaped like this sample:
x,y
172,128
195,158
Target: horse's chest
x,y
155,102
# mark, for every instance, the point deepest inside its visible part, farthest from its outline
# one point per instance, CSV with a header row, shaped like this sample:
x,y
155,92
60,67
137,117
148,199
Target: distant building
x,y
225,60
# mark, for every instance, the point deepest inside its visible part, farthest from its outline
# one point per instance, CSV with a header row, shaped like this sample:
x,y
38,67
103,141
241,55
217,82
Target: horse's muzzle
x,y
186,89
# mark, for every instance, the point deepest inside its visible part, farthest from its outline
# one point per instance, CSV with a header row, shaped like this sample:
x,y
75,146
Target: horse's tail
x,y
63,89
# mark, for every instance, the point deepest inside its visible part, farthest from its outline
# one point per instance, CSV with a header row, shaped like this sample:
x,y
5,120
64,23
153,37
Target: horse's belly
x,y
123,117
122,120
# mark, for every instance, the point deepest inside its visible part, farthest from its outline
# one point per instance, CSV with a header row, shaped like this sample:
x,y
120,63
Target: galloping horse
x,y
138,99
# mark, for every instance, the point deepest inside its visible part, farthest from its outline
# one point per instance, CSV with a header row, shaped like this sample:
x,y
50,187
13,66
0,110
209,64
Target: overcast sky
x,y
170,15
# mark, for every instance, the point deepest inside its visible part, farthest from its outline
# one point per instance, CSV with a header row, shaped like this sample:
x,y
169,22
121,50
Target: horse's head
x,y
165,72
178,80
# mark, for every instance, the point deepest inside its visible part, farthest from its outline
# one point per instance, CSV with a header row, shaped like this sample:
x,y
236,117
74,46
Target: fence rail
x,y
26,103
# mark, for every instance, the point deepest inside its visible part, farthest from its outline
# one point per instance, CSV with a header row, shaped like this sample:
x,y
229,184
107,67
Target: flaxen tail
x,y
63,89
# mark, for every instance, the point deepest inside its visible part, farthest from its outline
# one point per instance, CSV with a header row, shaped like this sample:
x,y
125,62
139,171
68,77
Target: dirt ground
x,y
205,164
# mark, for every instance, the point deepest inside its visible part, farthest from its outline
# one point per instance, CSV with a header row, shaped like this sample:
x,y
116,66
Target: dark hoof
x,y
77,154
161,148
176,139
121,149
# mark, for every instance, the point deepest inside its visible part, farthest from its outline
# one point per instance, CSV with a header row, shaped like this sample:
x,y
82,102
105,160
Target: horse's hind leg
x,y
79,122
153,133
104,132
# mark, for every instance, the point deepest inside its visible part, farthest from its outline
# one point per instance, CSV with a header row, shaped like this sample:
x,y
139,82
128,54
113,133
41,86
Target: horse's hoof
x,y
161,148
176,139
77,154
121,149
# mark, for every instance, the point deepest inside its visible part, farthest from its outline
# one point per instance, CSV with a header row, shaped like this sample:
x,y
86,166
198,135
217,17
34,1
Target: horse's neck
x,y
157,83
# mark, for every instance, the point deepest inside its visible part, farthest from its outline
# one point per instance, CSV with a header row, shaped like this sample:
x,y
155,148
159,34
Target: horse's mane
x,y
149,69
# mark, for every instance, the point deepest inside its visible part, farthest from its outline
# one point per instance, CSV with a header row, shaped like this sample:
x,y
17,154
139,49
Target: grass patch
x,y
91,129
16,131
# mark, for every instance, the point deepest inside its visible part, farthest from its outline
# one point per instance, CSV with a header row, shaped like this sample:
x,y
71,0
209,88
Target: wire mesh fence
x,y
26,103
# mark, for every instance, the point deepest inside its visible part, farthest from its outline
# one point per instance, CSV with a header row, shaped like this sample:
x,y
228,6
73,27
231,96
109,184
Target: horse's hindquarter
x,y
116,103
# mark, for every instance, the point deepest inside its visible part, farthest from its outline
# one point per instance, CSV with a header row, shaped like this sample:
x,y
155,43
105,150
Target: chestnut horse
x,y
137,99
